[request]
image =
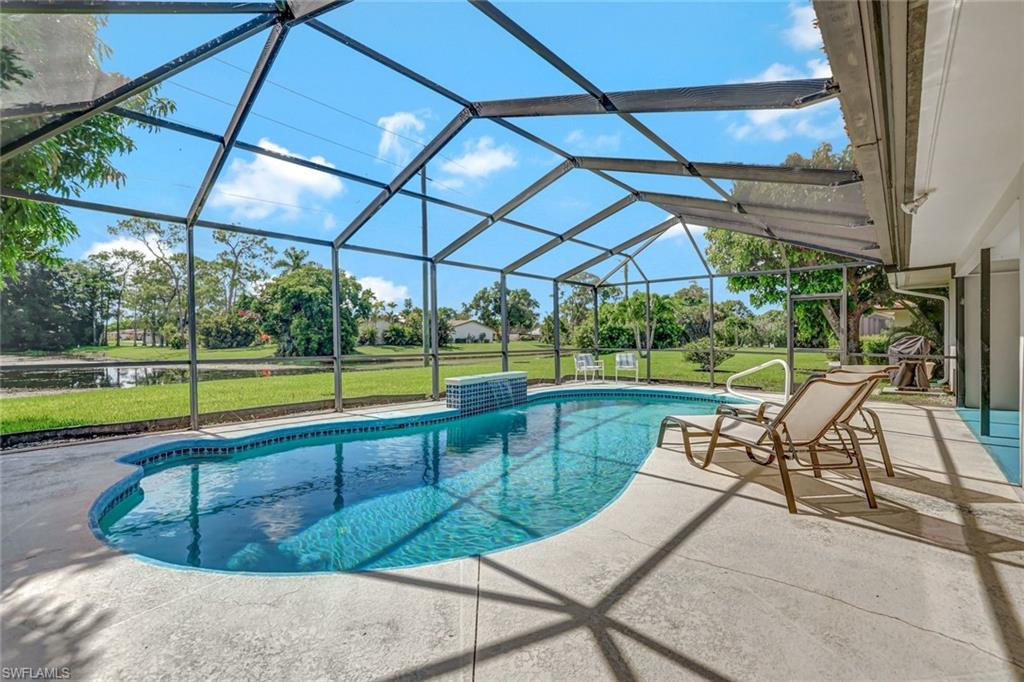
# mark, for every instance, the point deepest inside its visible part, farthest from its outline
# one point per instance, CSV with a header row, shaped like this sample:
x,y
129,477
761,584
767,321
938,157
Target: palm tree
x,y
292,259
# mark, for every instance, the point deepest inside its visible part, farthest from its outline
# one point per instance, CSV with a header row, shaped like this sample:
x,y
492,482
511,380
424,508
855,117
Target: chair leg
x,y
787,485
858,454
688,447
815,464
876,425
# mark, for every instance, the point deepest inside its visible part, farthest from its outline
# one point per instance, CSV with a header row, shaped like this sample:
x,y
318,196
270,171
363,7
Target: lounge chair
x,y
800,426
586,364
858,417
627,362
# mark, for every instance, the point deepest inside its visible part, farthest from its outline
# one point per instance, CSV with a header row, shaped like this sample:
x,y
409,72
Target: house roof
x,y
459,323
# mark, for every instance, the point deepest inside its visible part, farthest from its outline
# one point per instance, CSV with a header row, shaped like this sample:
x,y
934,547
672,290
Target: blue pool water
x,y
425,493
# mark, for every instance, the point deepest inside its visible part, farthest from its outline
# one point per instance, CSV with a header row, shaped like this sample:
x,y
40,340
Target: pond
x,y
26,379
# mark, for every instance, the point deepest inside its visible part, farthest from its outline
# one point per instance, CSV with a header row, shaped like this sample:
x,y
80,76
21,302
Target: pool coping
x,y
193,448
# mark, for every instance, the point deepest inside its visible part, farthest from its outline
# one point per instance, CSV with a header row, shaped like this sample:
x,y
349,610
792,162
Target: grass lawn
x,y
110,405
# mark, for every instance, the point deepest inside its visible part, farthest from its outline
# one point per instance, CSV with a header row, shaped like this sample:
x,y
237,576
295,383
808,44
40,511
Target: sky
x,y
328,103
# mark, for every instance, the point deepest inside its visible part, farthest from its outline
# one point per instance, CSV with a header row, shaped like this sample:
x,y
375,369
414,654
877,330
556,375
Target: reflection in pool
x,y
361,501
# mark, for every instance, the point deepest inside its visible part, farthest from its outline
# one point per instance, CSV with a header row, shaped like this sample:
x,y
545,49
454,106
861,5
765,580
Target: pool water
x,y
420,494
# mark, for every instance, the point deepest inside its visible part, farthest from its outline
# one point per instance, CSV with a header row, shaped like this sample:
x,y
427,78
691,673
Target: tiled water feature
x,y
483,392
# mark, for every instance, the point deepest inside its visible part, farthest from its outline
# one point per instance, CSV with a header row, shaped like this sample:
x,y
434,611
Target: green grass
x,y
111,405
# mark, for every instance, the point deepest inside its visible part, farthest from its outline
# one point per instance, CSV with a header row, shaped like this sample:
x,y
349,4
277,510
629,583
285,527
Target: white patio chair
x,y
801,425
627,362
587,365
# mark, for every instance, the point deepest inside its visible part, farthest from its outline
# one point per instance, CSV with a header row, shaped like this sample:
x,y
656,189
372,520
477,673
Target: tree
x,y
692,306
68,163
486,308
296,311
53,308
729,251
121,263
232,329
239,264
166,278
291,260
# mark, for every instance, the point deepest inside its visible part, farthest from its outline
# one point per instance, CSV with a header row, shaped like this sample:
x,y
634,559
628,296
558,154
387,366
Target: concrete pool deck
x,y
689,574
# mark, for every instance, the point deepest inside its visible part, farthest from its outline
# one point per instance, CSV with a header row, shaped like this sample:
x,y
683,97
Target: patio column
x,y
557,324
711,328
504,322
435,358
647,314
960,292
986,340
336,325
424,243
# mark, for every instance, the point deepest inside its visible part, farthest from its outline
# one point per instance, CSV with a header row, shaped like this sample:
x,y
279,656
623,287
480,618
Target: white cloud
x,y
815,122
819,68
802,33
678,232
479,159
330,222
396,140
384,289
264,186
118,243
579,141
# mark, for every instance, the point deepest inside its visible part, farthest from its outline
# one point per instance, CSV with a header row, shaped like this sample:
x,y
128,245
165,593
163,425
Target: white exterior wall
x,y
472,330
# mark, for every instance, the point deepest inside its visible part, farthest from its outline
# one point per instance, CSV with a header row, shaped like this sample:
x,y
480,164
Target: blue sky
x,y
328,103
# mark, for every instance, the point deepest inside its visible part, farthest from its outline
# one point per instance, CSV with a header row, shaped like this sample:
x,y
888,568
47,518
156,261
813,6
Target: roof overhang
x,y
876,54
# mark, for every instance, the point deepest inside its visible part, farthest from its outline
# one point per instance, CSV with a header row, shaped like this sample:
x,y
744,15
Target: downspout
x,y
946,350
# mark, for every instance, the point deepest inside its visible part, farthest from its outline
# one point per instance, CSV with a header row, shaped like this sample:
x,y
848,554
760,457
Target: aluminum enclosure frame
x,y
280,17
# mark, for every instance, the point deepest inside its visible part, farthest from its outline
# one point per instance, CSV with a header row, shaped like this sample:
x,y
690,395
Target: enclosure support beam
x,y
139,85
649,336
986,340
844,331
252,88
711,329
435,357
616,250
557,324
193,351
336,325
725,171
503,299
424,247
134,7
619,103
789,325
569,234
961,336
509,206
597,324
419,161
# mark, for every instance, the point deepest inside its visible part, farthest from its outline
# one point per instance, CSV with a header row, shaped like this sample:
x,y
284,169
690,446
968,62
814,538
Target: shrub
x,y
367,334
699,352
878,343
396,335
235,329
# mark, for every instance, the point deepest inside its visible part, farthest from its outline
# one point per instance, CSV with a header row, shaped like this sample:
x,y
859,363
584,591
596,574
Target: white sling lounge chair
x,y
800,426
627,362
587,365
858,417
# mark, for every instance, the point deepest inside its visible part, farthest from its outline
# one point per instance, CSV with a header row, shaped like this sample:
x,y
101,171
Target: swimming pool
x,y
409,494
